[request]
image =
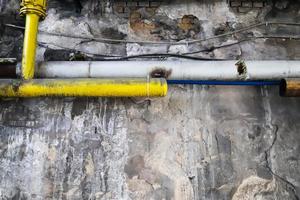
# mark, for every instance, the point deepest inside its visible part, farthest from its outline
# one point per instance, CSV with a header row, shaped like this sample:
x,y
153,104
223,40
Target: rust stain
x,y
188,22
142,27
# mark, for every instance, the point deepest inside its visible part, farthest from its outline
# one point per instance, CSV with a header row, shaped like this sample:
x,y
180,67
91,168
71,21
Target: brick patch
x,y
125,7
244,6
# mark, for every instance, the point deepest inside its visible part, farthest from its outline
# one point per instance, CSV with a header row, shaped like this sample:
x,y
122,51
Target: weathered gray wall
x,y
200,142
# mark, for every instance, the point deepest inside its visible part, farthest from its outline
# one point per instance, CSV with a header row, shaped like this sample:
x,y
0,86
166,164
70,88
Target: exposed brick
x,y
247,4
258,4
132,3
235,3
119,3
144,3
244,10
155,3
124,7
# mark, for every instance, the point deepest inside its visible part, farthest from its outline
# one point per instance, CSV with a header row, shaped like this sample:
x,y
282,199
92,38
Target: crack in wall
x,y
267,152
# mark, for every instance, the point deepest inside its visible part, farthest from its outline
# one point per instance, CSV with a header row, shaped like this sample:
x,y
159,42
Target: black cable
x,y
241,41
103,57
107,40
158,55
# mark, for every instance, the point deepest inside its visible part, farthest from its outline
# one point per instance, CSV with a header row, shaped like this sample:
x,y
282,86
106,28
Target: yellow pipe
x,y
34,10
155,87
29,47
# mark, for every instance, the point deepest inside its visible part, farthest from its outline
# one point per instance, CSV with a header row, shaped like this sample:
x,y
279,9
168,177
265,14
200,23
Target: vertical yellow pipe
x,y
34,10
29,47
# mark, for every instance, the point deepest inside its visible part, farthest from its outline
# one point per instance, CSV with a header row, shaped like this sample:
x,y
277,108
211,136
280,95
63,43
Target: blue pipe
x,y
242,83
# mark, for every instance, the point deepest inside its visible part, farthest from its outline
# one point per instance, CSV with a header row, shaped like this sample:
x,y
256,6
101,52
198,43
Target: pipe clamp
x,y
37,7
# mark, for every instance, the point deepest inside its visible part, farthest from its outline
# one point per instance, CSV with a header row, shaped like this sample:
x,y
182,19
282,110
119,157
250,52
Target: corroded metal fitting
x,y
34,6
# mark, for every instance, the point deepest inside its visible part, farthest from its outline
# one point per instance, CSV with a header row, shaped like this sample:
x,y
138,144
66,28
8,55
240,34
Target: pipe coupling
x,y
37,7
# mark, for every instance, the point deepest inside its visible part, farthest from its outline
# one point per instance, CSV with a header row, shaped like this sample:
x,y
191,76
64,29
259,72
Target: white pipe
x,y
176,70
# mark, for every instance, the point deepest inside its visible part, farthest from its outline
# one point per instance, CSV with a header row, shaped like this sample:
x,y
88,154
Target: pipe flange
x,y
34,6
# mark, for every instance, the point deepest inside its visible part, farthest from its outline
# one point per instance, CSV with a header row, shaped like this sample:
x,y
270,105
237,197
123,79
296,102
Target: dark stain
x,y
8,69
18,195
11,39
160,73
67,8
85,183
263,172
292,159
105,110
292,46
134,166
3,150
223,28
79,106
58,54
86,188
256,133
78,6
223,144
106,179
22,151
67,171
113,33
241,68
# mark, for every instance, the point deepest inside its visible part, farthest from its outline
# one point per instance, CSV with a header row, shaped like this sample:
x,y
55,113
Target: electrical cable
x,y
160,55
164,55
241,41
107,40
101,57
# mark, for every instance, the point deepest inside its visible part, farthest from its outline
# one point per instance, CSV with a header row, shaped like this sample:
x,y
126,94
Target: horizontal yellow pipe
x,y
29,47
155,87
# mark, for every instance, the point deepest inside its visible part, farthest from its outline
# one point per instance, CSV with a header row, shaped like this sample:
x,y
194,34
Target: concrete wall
x,y
200,142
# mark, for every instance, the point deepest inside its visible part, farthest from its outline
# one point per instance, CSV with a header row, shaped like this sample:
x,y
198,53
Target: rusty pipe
x,y
290,87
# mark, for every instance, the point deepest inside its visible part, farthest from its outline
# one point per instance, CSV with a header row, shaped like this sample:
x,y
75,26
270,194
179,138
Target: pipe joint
x,y
37,7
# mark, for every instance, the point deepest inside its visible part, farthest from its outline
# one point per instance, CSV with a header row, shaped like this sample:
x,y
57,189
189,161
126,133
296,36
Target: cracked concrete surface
x,y
199,142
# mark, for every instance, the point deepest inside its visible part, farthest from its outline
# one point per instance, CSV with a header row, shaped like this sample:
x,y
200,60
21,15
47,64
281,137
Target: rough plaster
x,y
200,142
